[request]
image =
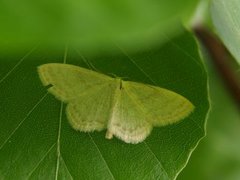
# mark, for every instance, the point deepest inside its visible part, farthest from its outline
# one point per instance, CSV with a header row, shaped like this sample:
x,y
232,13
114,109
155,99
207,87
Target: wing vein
x,y
93,88
136,101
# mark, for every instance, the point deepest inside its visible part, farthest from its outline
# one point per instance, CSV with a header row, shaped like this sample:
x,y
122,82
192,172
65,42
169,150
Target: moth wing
x,y
69,81
92,110
162,105
128,121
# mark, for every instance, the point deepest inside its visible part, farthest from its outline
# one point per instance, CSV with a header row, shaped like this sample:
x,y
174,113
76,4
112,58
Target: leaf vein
x,y
17,64
60,123
101,156
66,167
140,68
58,141
28,114
189,55
41,160
159,162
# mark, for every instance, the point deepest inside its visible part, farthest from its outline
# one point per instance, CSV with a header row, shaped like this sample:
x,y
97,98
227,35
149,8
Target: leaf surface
x,y
36,140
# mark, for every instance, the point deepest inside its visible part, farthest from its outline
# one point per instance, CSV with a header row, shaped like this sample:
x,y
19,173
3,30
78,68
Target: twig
x,y
221,59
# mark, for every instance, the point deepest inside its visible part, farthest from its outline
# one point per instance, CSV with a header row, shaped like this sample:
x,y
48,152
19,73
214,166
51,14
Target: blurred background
x,y
217,156
133,24
90,24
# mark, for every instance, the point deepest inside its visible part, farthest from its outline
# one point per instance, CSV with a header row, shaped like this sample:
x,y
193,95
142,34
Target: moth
x,y
128,110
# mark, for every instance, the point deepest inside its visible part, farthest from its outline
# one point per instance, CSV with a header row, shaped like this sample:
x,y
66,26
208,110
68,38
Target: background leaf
x,y
90,24
225,16
217,156
36,141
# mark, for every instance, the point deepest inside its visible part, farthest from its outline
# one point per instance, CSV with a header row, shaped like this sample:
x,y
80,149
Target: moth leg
x,y
109,135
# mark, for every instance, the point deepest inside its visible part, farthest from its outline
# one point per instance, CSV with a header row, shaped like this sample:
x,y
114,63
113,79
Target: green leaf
x,y
37,141
225,16
90,23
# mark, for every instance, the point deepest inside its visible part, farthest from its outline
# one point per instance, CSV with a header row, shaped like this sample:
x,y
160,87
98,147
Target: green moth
x,y
128,110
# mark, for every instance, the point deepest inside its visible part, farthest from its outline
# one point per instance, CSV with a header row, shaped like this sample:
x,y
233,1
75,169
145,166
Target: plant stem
x,y
221,59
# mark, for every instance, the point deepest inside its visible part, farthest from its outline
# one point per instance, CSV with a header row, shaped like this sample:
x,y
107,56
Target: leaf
x,y
90,23
37,141
217,156
225,16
